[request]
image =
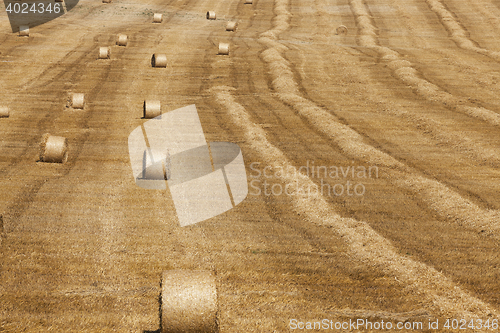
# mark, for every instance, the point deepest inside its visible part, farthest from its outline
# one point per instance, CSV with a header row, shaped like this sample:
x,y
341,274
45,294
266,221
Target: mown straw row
x,y
445,135
457,32
403,69
488,11
283,82
435,291
432,192
366,244
447,203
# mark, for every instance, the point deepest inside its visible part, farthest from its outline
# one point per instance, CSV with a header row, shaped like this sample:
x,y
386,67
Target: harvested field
x,y
370,134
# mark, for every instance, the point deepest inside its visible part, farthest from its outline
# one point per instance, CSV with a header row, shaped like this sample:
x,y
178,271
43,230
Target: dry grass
x,y
447,203
352,144
439,295
437,196
410,76
458,34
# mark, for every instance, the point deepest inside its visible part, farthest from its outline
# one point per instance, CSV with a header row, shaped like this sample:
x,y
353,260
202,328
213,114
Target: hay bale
x,y
342,30
53,149
159,60
77,101
24,31
157,18
211,15
122,40
188,302
106,1
231,26
223,48
104,52
156,165
248,2
151,109
4,112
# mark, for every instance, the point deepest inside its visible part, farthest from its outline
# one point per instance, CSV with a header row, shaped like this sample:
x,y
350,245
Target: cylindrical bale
x,y
53,149
24,30
223,48
342,30
248,2
106,1
159,60
157,18
211,15
151,109
156,165
231,26
77,101
188,302
104,52
122,40
4,112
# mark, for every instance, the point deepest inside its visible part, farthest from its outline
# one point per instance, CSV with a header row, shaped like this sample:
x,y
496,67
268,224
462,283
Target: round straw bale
x,y
122,40
77,101
157,18
53,149
188,302
342,30
151,109
104,52
248,2
156,165
4,112
231,26
159,60
210,15
24,30
106,1
223,48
